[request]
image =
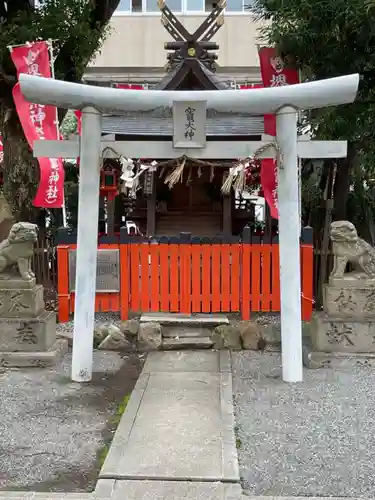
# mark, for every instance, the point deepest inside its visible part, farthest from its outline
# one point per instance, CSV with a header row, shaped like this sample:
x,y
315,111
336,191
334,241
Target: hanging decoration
x,y
127,173
176,175
246,171
240,177
130,181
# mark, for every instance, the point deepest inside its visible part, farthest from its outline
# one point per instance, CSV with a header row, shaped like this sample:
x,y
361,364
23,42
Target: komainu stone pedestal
x,y
27,330
345,329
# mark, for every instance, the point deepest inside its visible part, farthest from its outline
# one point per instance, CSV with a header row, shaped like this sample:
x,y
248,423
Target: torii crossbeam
x,y
282,101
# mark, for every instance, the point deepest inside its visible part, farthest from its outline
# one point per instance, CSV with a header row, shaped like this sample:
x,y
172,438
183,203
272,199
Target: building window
x,y
195,5
124,6
180,6
236,5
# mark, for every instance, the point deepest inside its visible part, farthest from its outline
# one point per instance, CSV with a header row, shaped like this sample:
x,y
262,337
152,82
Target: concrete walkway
x,y
176,438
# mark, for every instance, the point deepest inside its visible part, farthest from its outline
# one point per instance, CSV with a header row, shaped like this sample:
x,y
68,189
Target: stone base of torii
x,y
285,102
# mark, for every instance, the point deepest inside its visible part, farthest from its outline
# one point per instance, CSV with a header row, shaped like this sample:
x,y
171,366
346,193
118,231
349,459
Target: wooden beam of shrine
x,y
172,30
175,23
213,29
214,150
211,19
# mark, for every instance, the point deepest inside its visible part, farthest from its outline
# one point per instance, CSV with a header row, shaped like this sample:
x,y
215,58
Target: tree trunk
x,y
342,183
20,170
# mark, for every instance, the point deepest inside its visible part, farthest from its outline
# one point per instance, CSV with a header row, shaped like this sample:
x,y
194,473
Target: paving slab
x,y
175,490
178,426
182,361
192,319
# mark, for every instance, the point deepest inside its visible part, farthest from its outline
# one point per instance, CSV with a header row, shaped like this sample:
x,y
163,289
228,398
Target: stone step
x,y
185,319
172,331
181,344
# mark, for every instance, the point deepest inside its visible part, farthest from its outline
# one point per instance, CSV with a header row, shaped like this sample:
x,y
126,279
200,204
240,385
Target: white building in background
x,y
134,51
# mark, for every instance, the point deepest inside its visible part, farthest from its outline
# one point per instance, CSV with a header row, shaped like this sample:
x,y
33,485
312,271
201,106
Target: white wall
x,y
137,41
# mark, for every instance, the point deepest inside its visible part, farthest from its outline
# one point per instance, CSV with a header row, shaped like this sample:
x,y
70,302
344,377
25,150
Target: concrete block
x,y
185,319
337,360
175,490
28,334
339,334
350,298
180,344
38,359
186,361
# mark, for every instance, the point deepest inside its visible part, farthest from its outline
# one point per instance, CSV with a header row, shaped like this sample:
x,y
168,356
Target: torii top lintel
x,y
315,94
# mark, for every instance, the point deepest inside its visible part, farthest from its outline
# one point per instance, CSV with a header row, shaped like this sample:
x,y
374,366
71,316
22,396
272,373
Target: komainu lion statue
x,y
348,247
18,248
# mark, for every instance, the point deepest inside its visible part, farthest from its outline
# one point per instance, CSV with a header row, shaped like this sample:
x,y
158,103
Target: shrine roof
x,y
176,77
223,126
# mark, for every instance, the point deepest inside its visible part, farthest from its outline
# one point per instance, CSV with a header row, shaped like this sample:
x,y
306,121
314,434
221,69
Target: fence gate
x,y
189,276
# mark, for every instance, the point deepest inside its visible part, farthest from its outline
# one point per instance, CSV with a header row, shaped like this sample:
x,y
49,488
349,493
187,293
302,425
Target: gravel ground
x,y
100,318
316,438
52,430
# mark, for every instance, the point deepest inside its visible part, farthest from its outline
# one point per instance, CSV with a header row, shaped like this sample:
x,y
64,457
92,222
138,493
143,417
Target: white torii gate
x,y
282,101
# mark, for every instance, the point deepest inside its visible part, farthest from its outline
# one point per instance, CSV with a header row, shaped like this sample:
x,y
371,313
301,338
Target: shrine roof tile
x,y
146,126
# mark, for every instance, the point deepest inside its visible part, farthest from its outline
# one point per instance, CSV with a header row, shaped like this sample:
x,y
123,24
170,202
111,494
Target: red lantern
x,y
108,182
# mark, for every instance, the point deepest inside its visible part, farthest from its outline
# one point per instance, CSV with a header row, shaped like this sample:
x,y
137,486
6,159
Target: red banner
x,y
39,122
79,121
129,86
274,74
1,150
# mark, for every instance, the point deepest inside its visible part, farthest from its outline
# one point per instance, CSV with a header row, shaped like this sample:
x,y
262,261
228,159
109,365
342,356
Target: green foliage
x,y
102,454
121,410
104,450
71,193
328,38
69,23
77,29
69,124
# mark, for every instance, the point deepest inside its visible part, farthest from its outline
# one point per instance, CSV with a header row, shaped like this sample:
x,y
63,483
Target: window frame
x,y
184,11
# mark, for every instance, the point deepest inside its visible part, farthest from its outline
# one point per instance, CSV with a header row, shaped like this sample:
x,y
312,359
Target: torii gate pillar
x,y
87,241
289,245
282,101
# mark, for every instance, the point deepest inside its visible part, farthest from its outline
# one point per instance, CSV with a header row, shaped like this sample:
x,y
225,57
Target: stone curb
x,y
124,429
230,467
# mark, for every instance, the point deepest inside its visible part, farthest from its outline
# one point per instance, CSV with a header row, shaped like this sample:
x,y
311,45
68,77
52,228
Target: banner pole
x,y
52,63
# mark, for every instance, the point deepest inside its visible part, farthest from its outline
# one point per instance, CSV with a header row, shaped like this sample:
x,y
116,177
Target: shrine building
x,y
182,198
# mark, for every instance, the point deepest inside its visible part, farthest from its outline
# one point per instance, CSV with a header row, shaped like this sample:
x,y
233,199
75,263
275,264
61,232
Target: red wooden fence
x,y
193,275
